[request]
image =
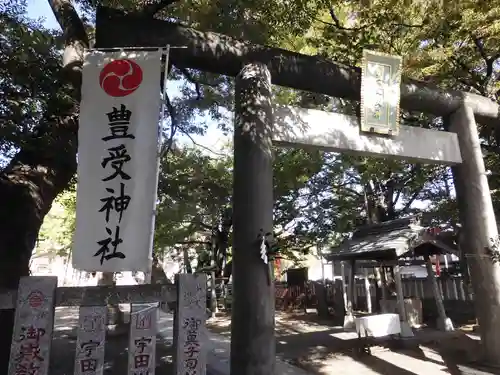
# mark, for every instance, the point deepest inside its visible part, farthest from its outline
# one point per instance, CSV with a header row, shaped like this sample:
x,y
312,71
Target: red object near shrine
x,y
277,267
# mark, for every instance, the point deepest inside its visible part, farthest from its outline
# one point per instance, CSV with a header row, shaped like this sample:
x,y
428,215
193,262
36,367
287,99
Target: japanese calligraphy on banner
x,y
117,161
380,93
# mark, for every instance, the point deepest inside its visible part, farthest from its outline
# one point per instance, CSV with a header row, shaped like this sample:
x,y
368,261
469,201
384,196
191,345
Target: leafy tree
x,y
195,197
56,232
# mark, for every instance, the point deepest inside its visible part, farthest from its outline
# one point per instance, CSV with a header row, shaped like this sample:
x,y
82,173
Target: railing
x,y
37,296
450,288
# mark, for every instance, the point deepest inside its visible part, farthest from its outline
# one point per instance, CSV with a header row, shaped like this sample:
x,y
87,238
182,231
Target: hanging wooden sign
x,y
380,93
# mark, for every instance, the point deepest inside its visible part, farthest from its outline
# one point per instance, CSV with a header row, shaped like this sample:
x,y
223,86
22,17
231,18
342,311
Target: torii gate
x,y
255,68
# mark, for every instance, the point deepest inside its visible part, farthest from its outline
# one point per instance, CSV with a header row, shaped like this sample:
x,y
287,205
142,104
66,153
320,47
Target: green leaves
x,y
30,68
56,233
319,197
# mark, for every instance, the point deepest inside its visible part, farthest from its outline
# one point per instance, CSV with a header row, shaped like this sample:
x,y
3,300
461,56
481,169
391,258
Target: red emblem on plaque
x,y
35,299
143,321
120,77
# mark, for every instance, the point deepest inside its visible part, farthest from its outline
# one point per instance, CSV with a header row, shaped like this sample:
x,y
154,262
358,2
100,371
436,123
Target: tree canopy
x,y
319,196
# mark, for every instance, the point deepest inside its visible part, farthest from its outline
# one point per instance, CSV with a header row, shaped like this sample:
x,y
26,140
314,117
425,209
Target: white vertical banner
x,y
117,161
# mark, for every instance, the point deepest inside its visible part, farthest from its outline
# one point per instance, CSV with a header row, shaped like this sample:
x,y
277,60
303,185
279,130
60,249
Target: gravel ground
x,y
320,348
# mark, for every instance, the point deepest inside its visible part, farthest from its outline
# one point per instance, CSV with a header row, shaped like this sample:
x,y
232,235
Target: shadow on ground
x,y
320,348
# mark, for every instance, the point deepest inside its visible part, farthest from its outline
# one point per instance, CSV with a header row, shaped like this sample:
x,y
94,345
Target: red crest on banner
x,y
120,77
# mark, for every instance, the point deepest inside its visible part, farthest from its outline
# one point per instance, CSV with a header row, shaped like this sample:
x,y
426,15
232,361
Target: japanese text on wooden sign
x,y
380,93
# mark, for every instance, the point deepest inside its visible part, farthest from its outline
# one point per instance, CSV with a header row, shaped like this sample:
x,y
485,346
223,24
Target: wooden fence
x,y
450,289
457,297
37,296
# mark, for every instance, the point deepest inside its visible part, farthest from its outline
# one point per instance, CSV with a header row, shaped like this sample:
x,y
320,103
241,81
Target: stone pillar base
x,y
406,330
446,325
349,322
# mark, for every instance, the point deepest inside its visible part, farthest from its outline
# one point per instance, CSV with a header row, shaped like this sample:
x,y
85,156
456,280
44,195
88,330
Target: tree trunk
x,y
27,188
187,262
213,295
215,251
158,275
443,322
41,170
116,318
227,271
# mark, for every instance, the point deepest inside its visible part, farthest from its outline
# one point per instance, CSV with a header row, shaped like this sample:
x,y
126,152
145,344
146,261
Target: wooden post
x,y
454,287
142,339
382,284
352,283
405,327
440,287
355,293
399,292
383,274
33,325
344,284
349,317
190,327
444,323
462,290
378,290
90,341
368,294
253,350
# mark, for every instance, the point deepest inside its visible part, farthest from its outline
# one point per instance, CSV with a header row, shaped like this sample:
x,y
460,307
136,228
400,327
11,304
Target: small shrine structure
x,y
383,247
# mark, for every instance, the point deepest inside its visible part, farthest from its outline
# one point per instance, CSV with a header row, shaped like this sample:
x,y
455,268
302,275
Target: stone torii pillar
x,y
253,349
479,226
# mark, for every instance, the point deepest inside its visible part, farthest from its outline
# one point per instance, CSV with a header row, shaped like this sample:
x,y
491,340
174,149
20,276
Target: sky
x,y
214,139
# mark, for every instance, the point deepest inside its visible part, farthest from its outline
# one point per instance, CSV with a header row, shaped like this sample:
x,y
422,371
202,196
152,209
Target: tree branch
x,y
206,226
173,126
75,38
151,9
338,25
193,243
410,202
480,47
197,82
197,144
